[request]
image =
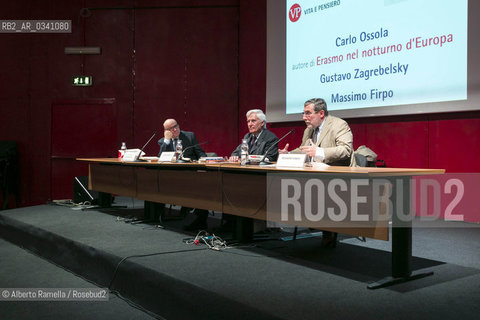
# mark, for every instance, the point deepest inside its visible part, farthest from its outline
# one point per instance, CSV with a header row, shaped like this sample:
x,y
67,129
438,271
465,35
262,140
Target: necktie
x,y
252,143
315,135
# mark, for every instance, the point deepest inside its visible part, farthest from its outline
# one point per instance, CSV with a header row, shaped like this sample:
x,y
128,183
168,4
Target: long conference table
x,y
246,191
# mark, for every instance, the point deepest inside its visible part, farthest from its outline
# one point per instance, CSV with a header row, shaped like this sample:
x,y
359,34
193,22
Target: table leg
x,y
401,237
243,229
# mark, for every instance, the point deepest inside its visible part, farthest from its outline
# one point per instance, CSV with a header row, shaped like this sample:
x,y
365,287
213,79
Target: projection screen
x,y
372,58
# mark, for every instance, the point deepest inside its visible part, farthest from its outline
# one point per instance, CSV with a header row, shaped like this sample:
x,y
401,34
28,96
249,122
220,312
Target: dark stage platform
x,y
271,279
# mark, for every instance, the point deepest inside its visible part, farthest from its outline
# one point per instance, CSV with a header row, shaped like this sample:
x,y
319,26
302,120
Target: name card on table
x,y
132,154
166,156
293,160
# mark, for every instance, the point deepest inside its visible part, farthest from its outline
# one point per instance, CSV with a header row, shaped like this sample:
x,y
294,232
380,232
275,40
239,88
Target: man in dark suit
x,y
173,134
169,141
259,138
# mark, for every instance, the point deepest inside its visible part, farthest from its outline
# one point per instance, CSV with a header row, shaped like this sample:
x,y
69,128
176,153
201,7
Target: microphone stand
x,y
263,162
141,150
181,160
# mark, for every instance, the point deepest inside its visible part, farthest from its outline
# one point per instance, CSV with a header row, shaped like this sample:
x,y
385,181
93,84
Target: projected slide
x,y
360,54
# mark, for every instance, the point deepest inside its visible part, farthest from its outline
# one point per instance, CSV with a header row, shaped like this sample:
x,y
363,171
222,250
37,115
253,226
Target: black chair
x,y
380,163
9,172
361,160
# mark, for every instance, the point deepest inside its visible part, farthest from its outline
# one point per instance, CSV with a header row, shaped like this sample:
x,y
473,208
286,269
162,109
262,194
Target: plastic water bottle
x,y
178,149
244,152
122,150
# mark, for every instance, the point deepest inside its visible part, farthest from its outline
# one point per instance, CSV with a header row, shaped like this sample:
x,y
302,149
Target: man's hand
x,y
284,150
168,135
233,159
309,150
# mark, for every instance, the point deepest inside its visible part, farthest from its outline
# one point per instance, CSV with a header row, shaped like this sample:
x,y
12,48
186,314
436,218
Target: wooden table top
x,y
232,166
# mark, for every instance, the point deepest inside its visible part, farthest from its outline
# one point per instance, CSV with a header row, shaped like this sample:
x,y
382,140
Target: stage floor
x,y
268,279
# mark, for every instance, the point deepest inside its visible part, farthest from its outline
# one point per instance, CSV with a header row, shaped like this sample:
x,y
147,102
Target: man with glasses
x,y
173,134
168,143
326,139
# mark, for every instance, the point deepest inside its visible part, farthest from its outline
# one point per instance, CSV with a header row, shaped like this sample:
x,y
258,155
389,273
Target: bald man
x,y
173,133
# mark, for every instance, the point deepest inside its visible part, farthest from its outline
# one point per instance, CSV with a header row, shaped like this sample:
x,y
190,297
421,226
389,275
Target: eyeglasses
x,y
172,128
308,113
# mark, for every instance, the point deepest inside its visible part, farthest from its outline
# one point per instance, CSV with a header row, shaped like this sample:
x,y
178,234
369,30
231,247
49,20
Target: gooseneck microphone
x,y
181,159
263,162
141,150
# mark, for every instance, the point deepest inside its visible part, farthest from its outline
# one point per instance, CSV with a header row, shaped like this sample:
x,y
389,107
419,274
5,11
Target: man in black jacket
x,y
169,141
173,134
259,138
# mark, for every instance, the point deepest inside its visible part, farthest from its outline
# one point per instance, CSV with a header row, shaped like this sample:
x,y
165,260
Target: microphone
x,y
263,162
141,150
181,159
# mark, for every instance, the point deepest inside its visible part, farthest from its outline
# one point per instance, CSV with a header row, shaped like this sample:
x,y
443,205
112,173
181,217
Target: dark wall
x,y
201,62
159,59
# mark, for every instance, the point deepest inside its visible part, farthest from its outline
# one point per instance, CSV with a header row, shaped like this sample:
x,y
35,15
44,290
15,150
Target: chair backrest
x,y
361,160
367,152
380,163
370,156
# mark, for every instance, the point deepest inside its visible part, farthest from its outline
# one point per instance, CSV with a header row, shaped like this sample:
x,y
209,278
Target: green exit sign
x,y
81,81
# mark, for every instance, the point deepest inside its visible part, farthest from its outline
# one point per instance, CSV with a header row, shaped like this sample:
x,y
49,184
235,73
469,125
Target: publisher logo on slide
x,y
295,12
